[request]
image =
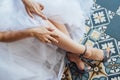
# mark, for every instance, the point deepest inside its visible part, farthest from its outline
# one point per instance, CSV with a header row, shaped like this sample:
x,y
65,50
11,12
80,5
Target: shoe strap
x,y
105,56
83,52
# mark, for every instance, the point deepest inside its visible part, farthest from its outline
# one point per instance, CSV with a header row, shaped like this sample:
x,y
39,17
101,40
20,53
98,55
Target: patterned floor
x,y
103,30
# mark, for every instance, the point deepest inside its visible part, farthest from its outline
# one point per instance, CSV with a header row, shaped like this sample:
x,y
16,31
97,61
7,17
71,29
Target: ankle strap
x,y
83,52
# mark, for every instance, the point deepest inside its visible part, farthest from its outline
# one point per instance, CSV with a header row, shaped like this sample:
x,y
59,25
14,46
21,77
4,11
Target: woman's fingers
x,y
47,40
52,39
44,40
29,13
53,34
41,6
49,29
44,35
39,13
34,8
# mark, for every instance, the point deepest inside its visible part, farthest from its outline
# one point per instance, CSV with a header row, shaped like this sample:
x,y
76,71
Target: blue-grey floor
x,y
103,30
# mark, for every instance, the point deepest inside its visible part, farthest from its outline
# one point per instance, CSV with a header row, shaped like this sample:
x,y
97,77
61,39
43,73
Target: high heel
x,y
106,57
105,52
85,70
89,61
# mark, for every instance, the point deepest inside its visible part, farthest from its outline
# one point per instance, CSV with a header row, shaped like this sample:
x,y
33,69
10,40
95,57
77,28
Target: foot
x,y
75,58
95,54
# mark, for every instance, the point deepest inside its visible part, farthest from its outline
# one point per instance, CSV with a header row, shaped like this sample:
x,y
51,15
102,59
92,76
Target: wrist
x,y
30,32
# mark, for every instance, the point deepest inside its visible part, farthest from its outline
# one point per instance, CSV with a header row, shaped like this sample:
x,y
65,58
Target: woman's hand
x,y
44,34
34,8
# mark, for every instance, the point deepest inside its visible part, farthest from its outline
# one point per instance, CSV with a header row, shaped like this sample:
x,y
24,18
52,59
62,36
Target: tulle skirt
x,y
29,59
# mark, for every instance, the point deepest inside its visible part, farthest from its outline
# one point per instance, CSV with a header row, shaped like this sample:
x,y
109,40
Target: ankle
x,y
88,52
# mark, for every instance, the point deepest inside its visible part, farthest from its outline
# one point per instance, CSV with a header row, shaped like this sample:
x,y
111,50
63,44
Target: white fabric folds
x,y
29,59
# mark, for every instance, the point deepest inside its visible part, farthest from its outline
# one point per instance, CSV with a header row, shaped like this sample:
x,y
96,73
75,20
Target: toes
x,y
77,60
80,64
83,66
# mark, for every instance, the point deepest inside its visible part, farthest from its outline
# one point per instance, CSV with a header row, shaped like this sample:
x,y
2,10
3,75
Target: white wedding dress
x,y
29,59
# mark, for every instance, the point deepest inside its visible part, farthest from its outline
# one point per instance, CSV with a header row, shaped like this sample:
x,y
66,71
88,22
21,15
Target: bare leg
x,y
68,44
61,27
72,57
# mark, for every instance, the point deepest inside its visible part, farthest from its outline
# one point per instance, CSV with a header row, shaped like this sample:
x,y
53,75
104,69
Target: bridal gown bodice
x,y
29,59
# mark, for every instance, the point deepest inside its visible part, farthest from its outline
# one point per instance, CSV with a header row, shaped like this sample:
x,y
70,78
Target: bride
x,y
29,59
